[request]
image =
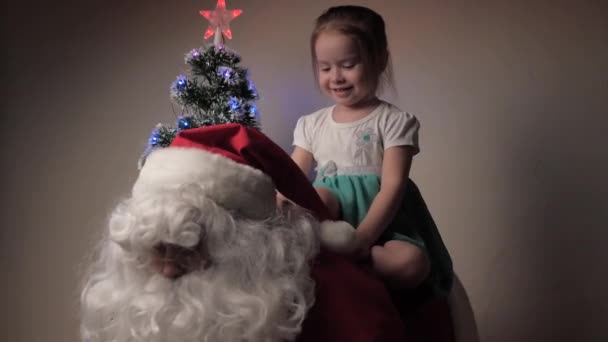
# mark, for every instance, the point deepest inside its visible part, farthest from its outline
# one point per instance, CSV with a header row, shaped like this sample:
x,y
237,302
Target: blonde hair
x,y
367,30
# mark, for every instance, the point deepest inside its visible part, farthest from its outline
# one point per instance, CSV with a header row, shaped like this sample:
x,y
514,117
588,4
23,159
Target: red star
x,y
220,19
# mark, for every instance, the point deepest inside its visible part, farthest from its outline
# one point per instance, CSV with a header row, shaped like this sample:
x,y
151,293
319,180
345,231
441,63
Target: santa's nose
x,y
173,261
170,269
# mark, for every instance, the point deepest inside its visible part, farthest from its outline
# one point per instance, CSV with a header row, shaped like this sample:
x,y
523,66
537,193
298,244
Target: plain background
x,y
512,96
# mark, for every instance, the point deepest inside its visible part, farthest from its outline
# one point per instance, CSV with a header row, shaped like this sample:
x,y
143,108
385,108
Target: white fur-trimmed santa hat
x,y
239,168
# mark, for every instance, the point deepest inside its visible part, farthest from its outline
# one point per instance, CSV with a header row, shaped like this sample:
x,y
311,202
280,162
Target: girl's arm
x,y
395,173
304,159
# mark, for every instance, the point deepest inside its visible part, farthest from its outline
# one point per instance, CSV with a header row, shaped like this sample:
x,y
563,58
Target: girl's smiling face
x,y
341,73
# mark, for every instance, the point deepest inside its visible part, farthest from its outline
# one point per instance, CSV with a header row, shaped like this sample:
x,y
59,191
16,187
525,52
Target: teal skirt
x,y
413,223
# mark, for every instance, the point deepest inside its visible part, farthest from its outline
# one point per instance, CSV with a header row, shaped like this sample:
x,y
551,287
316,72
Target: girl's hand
x,y
363,247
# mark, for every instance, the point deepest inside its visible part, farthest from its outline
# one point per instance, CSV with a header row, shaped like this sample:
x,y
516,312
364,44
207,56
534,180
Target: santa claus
x,y
200,252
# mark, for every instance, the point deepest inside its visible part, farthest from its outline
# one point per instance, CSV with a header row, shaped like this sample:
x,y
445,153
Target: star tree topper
x,y
219,19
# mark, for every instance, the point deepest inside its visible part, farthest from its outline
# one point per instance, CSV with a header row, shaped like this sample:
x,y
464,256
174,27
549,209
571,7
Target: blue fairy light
x,y
226,72
193,55
154,138
184,122
180,84
251,87
234,104
254,110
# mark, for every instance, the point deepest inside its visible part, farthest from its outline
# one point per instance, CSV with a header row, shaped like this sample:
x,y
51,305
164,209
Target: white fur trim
x,y
338,236
232,185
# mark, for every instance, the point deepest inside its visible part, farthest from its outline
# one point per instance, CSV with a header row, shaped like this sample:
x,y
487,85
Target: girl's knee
x,y
402,260
378,255
417,268
383,260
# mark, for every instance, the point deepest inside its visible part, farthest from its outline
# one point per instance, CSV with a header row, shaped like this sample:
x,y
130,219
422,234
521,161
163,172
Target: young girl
x,y
363,148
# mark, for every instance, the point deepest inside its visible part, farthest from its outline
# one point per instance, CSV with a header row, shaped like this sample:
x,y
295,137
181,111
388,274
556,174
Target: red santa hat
x,y
239,168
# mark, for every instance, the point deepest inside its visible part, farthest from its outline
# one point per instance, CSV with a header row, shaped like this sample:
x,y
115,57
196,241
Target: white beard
x,y
257,287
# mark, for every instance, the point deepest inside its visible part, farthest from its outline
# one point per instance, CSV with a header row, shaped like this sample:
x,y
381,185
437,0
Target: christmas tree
x,y
216,90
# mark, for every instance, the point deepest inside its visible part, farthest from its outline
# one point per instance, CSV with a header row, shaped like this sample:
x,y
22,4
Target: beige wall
x,y
512,95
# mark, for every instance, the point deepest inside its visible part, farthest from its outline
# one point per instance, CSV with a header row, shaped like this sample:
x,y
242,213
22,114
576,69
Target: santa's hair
x,y
256,287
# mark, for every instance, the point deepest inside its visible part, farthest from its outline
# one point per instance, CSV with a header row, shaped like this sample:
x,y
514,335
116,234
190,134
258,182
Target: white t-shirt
x,y
355,147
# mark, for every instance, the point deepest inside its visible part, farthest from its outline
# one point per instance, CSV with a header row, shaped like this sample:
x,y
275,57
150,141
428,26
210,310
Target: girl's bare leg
x,y
401,263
